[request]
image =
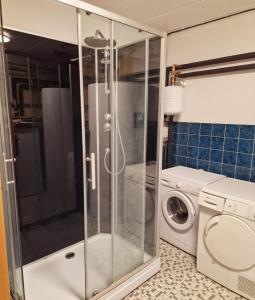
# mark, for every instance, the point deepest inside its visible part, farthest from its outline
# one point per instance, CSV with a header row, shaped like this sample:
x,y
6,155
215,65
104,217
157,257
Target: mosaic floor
x,y
178,279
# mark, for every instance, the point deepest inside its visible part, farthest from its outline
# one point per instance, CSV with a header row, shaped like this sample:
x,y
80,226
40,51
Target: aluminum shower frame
x,y
83,6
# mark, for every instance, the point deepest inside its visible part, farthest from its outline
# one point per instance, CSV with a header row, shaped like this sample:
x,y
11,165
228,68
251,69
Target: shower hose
x,y
107,150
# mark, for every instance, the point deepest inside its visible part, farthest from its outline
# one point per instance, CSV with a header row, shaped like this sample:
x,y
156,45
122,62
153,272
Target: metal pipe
x,y
216,61
216,71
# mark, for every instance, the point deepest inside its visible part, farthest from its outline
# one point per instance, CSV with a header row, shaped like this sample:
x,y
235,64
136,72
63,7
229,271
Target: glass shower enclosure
x,y
84,118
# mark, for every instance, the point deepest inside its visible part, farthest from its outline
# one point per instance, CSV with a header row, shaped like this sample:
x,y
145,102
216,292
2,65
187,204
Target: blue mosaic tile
x,y
175,127
174,149
218,130
203,164
228,170
217,143
230,144
215,167
245,146
232,131
193,140
183,138
216,155
247,131
175,138
242,173
244,160
183,128
181,160
192,152
192,163
221,148
182,150
206,129
204,153
229,157
194,128
204,141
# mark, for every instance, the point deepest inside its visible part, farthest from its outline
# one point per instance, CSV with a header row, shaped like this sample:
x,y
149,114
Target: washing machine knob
x,y
178,185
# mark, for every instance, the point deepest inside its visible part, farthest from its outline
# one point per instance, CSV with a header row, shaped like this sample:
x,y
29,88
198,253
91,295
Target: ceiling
x,y
170,15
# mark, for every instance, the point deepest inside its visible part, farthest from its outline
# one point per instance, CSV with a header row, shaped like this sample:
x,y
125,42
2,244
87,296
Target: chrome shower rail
x,y
114,17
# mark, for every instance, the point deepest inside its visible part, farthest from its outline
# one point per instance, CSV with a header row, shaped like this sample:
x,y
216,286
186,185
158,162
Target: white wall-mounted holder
x,y
174,95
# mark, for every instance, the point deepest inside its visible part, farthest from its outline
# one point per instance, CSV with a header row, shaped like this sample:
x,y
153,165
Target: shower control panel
x,y
107,127
107,117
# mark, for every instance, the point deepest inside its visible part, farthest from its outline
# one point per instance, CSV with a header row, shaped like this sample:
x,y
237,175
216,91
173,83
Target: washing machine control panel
x,y
183,186
240,209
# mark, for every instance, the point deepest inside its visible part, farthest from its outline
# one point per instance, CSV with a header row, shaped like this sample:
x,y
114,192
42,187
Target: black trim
x,y
215,61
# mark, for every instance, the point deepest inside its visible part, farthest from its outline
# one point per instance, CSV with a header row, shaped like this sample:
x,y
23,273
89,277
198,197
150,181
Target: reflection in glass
x,y
45,115
120,100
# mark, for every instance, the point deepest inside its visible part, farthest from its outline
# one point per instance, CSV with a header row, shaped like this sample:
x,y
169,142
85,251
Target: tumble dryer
x,y
179,205
226,240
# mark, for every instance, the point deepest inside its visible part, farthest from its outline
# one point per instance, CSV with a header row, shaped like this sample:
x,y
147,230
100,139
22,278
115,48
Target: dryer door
x,y
231,242
178,210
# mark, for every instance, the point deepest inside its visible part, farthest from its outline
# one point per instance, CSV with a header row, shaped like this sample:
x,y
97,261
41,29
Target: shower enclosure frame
x,y
130,281
126,284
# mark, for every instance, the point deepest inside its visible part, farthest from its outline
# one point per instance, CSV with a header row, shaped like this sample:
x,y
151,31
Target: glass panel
x,y
95,35
150,242
134,195
43,78
8,185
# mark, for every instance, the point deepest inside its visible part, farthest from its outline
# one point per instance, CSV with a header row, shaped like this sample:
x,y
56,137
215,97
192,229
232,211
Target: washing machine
x,y
139,216
180,188
226,239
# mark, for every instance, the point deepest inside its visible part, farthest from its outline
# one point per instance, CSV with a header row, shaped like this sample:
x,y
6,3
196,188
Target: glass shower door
x,y
95,68
115,102
7,184
130,105
115,123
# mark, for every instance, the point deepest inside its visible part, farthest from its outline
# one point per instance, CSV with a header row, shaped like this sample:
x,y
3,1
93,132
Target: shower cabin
x,y
81,113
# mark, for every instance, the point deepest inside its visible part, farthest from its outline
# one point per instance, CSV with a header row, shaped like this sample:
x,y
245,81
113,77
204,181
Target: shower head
x,y
97,41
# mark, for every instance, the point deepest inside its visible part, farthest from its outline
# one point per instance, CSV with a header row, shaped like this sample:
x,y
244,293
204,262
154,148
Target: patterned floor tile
x,y
179,279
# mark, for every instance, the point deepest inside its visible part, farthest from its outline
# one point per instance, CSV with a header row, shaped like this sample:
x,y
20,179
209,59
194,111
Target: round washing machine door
x,y
178,210
230,241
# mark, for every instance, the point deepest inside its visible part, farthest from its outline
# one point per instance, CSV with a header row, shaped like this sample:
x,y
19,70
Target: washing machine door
x,y
178,210
230,241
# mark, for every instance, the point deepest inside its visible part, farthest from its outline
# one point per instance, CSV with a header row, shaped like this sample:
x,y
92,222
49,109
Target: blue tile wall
x,y
227,149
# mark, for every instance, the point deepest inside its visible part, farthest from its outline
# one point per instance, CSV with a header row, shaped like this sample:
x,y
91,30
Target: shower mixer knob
x,y
107,127
107,117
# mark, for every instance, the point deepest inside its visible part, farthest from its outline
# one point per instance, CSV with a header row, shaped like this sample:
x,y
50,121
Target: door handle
x,y
92,161
212,222
8,161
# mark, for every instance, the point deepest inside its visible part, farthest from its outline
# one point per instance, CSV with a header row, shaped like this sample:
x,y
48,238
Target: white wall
x,y
47,18
228,98
52,19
